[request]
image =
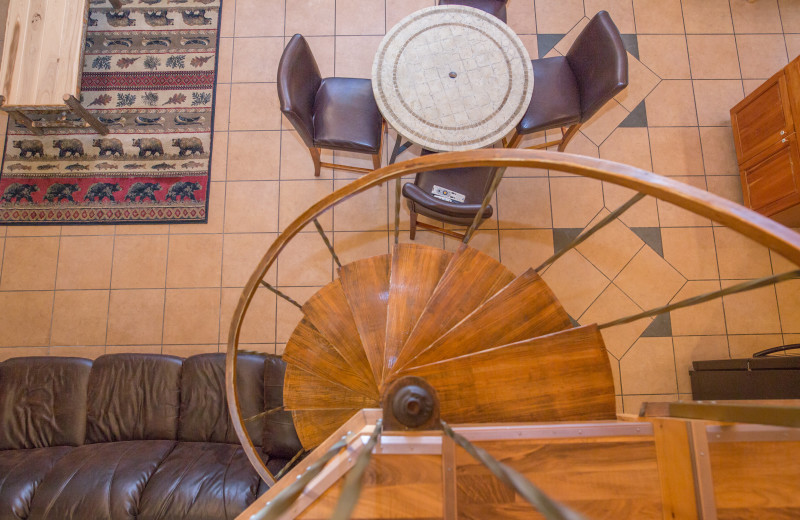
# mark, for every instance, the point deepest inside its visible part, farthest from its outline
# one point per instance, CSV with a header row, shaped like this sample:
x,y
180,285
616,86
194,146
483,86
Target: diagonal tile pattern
x,y
172,289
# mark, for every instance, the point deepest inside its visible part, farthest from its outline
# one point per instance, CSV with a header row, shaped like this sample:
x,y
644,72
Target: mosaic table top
x,y
452,78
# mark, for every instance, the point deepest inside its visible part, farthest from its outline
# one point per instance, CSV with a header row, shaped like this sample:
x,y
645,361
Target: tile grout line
x,y
110,278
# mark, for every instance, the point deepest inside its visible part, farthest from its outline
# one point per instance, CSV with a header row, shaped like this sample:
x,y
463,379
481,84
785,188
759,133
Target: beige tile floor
x,y
91,290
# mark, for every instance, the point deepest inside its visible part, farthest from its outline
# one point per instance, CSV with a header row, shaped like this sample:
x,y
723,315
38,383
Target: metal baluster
x,y
327,242
289,464
397,190
498,176
548,507
282,295
354,481
741,287
264,414
597,227
396,151
281,503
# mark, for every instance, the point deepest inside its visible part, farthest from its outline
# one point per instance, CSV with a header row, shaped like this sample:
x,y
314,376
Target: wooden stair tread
x,y
309,350
329,312
314,426
471,278
416,270
524,309
366,286
565,376
303,390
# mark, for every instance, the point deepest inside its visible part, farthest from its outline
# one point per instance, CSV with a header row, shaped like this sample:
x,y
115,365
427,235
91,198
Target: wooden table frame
x,y
33,73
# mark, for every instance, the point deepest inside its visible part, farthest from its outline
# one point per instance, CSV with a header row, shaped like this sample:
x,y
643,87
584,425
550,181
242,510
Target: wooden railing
x,y
758,228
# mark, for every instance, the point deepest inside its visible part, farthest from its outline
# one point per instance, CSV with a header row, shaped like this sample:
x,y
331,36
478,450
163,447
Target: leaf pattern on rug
x,y
124,63
199,61
177,99
101,100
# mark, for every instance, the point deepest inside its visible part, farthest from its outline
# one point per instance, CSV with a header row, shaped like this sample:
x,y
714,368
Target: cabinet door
x,y
771,181
762,118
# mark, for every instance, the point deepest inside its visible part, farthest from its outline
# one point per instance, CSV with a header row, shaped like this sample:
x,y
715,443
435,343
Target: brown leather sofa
x,y
135,436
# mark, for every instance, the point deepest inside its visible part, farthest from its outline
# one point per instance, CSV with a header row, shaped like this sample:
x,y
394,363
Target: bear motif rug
x,y
149,74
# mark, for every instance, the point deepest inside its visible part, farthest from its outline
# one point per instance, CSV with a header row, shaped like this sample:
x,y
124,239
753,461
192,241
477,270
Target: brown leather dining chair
x,y
493,7
568,90
330,113
472,183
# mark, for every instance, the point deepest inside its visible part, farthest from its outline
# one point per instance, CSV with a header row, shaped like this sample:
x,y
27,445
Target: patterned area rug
x,y
148,74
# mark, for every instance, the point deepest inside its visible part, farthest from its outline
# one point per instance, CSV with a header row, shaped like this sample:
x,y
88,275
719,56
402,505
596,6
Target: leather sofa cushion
x,y
99,481
43,402
21,472
346,116
280,437
556,97
200,481
204,412
133,397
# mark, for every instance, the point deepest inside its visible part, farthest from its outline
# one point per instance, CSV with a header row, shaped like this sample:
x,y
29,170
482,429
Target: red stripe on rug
x,y
155,80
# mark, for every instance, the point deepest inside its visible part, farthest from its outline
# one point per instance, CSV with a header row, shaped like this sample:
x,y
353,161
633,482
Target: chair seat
x,y
494,7
556,98
470,182
346,116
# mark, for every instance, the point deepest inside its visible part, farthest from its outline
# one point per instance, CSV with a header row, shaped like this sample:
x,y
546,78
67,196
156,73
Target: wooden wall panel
x,y
756,480
613,478
395,486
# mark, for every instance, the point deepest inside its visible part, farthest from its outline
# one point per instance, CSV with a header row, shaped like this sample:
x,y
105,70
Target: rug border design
x,y
147,222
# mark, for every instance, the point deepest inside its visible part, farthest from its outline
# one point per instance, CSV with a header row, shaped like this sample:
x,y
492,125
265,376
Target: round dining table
x,y
452,78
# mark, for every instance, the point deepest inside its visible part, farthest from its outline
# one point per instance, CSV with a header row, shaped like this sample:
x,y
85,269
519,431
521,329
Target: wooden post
x,y
684,469
76,107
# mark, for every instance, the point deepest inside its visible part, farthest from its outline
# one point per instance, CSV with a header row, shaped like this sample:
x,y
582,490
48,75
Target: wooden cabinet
x,y
765,126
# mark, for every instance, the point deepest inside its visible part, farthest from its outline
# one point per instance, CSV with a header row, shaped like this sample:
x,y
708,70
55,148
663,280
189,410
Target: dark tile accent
x,y
637,118
651,237
574,322
563,236
660,327
546,42
631,43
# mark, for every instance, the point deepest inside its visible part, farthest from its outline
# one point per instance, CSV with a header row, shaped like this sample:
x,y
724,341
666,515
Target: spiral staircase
x,y
497,348
494,354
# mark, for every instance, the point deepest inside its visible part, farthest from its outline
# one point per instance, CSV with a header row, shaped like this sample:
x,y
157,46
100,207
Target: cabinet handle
x,y
783,140
783,132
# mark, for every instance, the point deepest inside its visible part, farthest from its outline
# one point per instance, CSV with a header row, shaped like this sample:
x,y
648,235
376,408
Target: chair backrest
x,y
298,82
600,63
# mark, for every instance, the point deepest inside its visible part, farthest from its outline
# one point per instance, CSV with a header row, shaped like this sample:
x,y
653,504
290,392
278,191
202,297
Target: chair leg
x,y
568,135
515,140
413,232
376,160
317,162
